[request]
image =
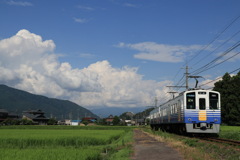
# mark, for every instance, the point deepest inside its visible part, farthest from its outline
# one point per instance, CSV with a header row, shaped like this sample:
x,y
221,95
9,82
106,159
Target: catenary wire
x,y
208,65
218,78
219,34
221,62
217,48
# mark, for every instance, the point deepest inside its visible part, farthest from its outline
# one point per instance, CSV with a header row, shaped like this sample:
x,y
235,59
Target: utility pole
x,y
70,115
156,100
173,94
187,77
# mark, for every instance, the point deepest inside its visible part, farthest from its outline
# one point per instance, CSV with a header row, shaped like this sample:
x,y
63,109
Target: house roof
x,y
39,111
35,116
111,116
13,115
109,119
3,111
76,120
89,118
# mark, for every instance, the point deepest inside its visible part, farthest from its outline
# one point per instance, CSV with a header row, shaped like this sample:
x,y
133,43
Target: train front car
x,y
202,111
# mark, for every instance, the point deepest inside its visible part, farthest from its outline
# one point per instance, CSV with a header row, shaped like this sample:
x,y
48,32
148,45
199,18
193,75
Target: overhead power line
x,y
215,62
218,35
221,62
217,48
219,78
206,46
209,65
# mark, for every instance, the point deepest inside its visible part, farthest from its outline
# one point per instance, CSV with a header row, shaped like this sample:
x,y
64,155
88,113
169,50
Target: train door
x,y
179,110
169,113
162,115
202,115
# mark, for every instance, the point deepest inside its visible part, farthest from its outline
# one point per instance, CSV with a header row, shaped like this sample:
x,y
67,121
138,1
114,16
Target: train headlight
x,y
215,120
189,119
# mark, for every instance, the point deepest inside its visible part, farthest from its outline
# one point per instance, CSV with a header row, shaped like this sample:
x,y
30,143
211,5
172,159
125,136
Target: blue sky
x,y
139,46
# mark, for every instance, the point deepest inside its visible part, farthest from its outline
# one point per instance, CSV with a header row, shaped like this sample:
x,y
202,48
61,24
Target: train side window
x,y
202,103
190,97
213,101
178,105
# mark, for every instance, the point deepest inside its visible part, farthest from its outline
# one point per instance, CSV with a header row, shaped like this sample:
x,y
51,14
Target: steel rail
x,y
221,140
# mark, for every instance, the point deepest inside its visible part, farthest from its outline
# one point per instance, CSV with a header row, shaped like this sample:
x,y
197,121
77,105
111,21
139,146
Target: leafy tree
x,y
143,114
126,116
26,122
229,88
85,122
52,121
116,120
102,121
10,122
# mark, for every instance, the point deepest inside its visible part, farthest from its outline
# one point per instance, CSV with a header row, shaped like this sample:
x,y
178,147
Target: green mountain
x,y
143,114
17,101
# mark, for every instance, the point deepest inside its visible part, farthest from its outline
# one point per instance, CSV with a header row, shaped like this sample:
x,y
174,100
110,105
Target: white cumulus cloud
x,y
29,63
19,3
86,8
161,52
79,20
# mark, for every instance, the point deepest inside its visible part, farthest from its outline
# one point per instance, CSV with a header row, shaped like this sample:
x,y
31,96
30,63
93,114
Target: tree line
x,y
229,88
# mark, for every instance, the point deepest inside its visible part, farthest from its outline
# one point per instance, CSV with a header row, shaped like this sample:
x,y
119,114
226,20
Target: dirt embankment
x,y
147,148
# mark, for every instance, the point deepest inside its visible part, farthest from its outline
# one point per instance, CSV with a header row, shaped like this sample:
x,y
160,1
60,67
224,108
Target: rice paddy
x,y
230,132
63,143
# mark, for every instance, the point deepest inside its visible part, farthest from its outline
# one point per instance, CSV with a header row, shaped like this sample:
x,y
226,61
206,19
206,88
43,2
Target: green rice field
x,y
230,132
64,143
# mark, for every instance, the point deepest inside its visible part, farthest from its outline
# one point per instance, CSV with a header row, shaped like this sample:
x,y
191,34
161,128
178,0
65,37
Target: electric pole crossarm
x,y
195,77
177,86
173,94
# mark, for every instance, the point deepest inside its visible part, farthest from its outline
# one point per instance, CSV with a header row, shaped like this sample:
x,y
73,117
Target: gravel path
x,y
147,148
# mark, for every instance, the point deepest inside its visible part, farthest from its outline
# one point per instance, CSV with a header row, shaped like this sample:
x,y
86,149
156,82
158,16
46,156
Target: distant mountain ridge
x,y
17,101
105,112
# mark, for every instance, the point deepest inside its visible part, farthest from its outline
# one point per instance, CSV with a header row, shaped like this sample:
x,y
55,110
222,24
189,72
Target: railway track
x,y
213,139
221,140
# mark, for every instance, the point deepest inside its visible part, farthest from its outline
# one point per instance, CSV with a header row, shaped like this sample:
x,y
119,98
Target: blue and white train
x,y
192,111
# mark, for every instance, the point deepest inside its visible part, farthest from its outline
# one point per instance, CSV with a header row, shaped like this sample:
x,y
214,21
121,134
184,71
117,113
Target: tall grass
x,y
123,147
40,143
51,138
98,127
230,132
59,153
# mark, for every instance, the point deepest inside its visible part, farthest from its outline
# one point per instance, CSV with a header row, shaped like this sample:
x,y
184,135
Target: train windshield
x,y
190,97
202,103
213,100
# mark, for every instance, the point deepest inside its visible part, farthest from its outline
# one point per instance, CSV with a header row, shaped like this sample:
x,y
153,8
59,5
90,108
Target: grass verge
x,y
121,149
230,132
194,149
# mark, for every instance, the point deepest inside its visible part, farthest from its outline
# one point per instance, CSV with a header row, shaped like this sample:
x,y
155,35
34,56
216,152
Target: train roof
x,y
180,94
